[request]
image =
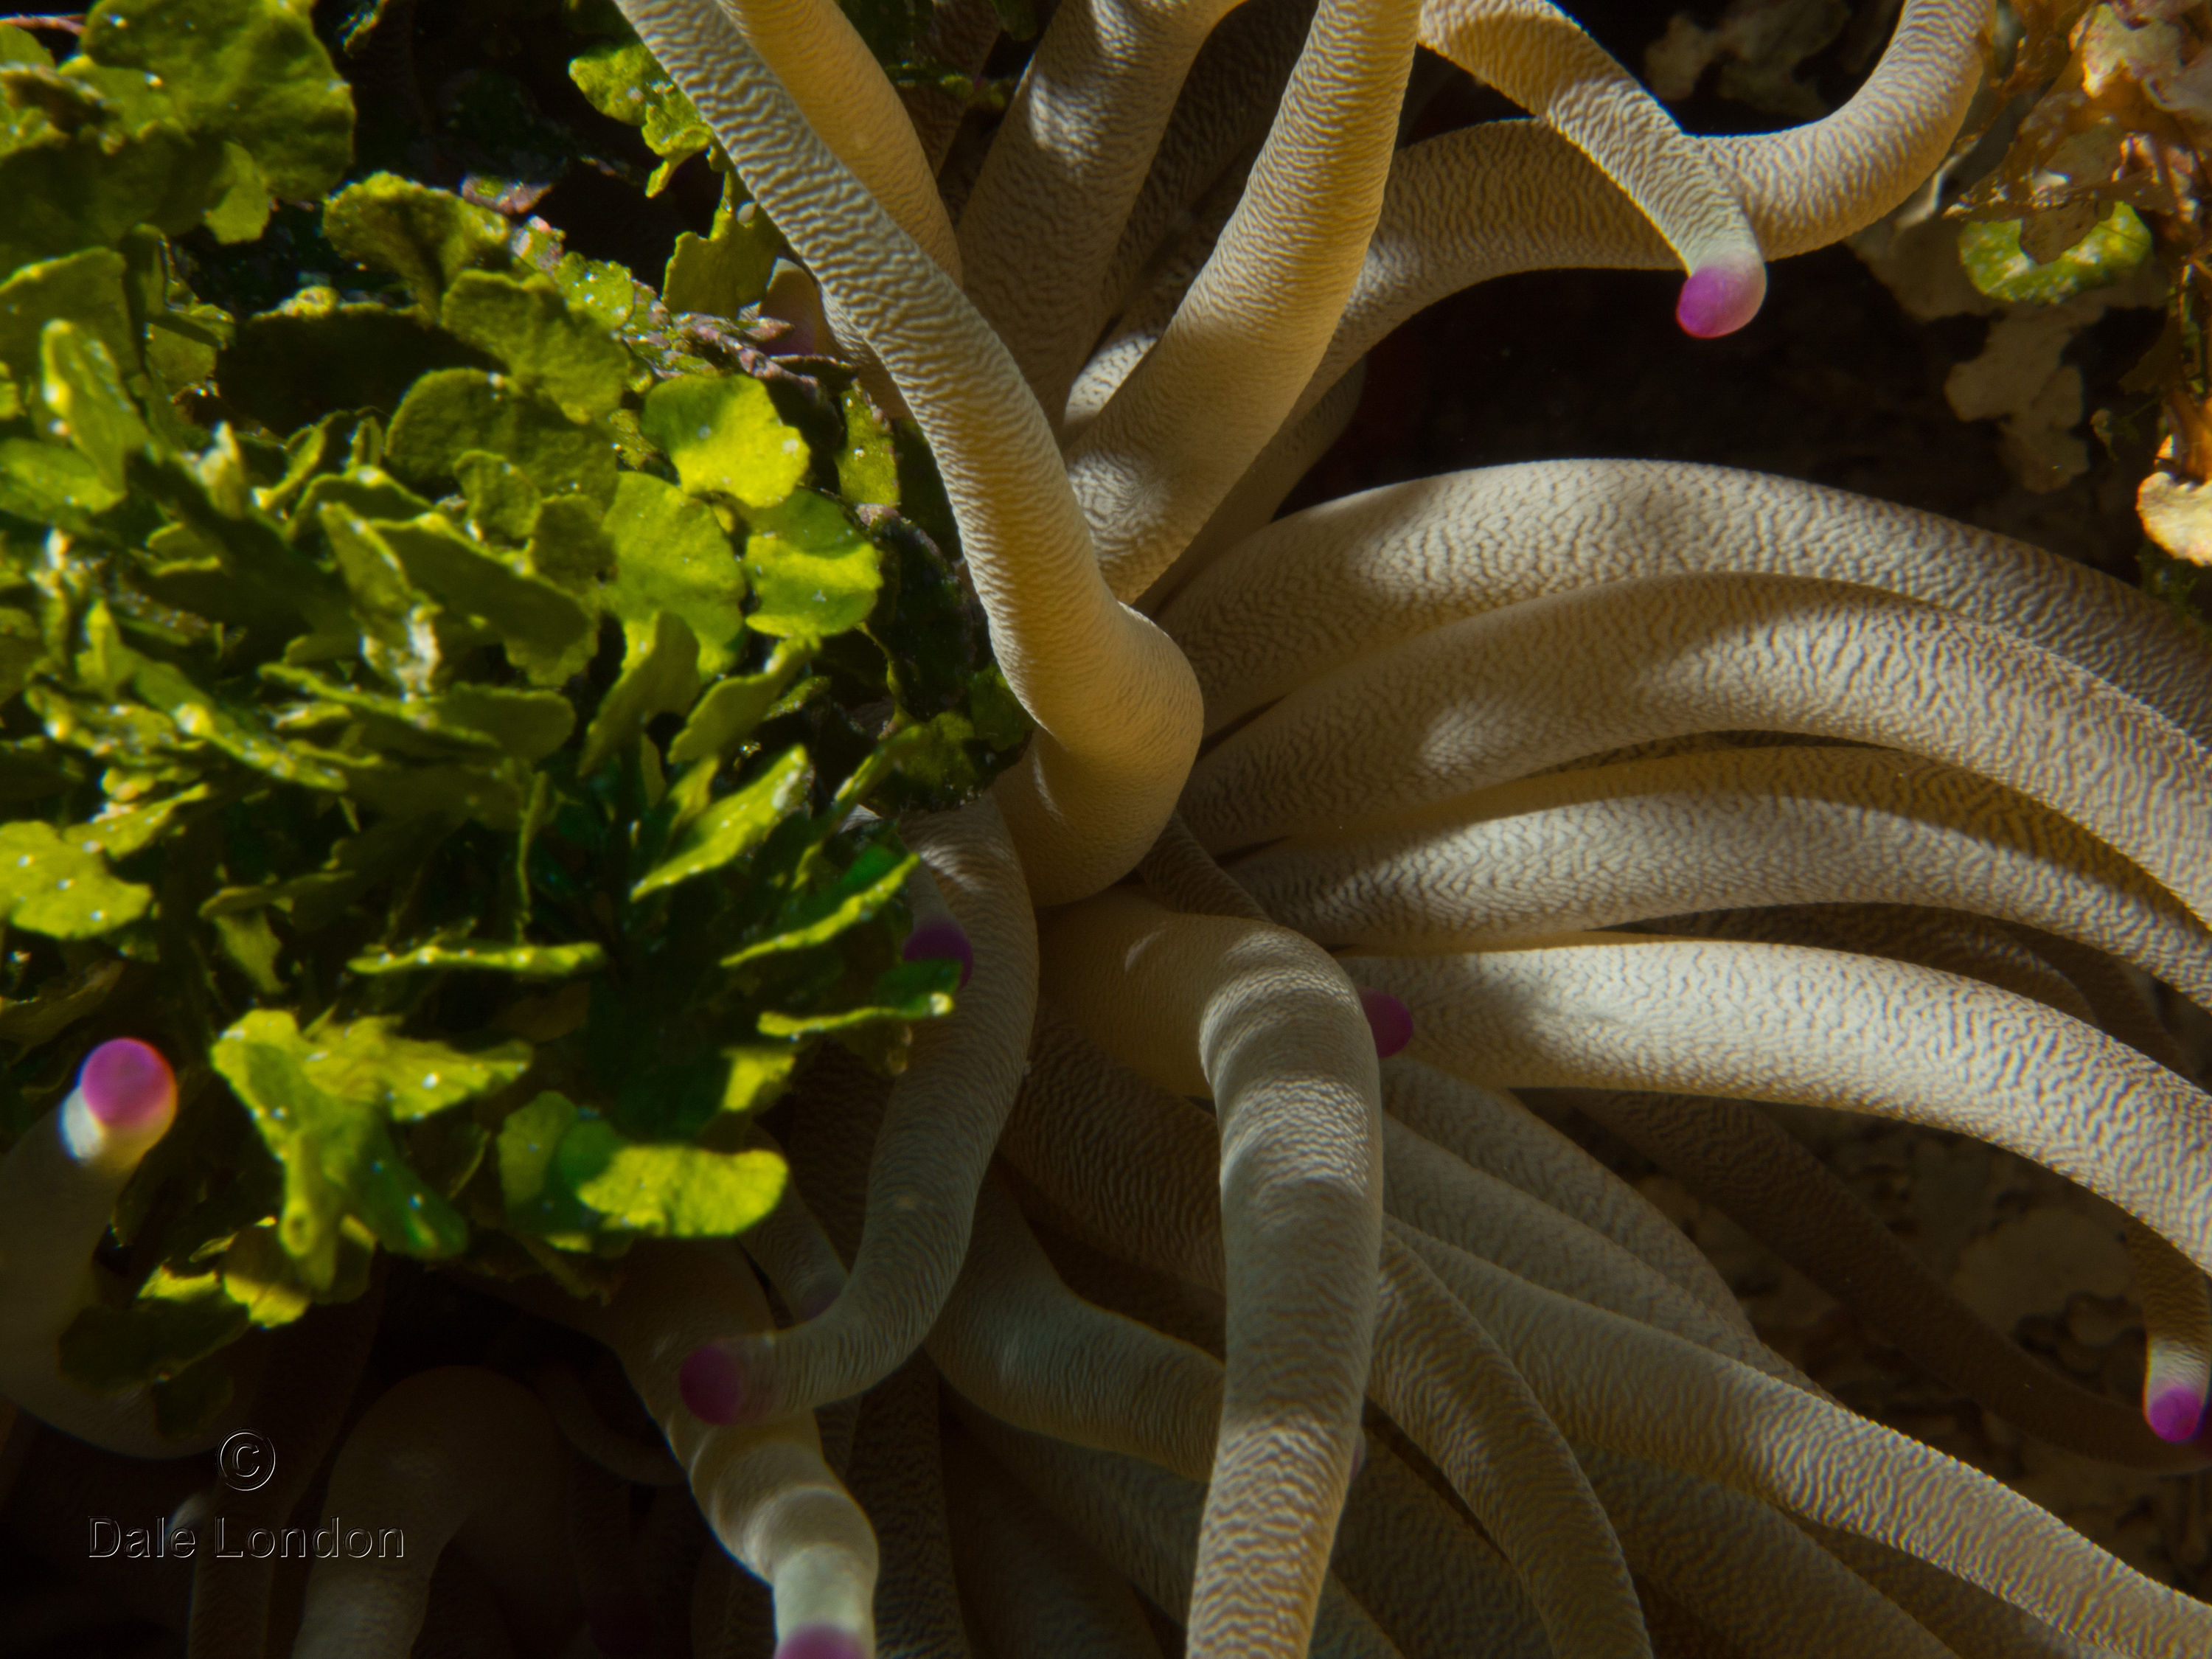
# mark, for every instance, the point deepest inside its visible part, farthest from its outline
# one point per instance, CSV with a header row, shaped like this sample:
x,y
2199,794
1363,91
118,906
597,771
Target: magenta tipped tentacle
x,y
941,937
1390,1020
2174,1407
820,1642
712,1384
58,1185
127,1086
1721,298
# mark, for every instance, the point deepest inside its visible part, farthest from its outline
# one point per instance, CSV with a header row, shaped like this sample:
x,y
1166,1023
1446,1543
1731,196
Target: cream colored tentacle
x,y
1357,575
1541,58
457,1456
1018,1342
1457,709
1973,1623
1733,1157
1064,168
1508,196
1742,1569
764,1490
1146,1522
1612,1383
1436,1585
1602,846
833,78
1776,1022
1118,710
2175,1297
58,1185
1031,1584
1490,1131
1159,458
1233,87
1428,1190
1266,1024
933,1145
1290,455
1441,1379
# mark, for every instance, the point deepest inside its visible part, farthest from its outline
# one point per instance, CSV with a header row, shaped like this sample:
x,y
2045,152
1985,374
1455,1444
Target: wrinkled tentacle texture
x,y
1114,701
1310,1348
938,1130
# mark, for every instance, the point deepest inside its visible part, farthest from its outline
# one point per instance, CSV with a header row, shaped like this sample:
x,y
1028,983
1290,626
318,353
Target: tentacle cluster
x,y
1205,1259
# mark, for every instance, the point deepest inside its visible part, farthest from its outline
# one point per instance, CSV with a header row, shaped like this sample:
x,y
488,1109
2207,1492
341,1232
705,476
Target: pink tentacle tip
x,y
713,1385
2175,1410
820,1642
127,1085
942,938
1390,1020
1720,299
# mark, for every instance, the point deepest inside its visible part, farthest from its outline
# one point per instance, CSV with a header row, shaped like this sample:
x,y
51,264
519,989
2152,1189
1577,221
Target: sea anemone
x,y
1203,1249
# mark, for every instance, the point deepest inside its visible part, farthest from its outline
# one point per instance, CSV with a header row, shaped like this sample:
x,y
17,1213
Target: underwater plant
x,y
1201,1247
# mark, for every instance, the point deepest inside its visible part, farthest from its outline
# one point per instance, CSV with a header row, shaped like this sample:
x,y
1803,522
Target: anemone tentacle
x,y
1602,846
1733,1157
931,1148
1353,577
1541,58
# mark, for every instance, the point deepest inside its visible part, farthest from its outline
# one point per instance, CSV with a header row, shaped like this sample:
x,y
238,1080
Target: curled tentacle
x,y
1602,846
1737,1158
1489,1130
1118,712
1163,453
457,1457
767,1494
1270,1027
1441,1378
1507,196
1455,711
1018,1342
1351,577
935,1140
1541,58
1774,1022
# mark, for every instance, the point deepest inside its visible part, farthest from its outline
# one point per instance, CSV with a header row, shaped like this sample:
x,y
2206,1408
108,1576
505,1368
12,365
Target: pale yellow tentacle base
x,y
1114,699
1267,1025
